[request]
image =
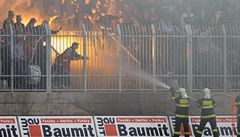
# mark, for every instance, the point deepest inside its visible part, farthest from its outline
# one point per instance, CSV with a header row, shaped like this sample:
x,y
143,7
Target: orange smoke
x,y
26,8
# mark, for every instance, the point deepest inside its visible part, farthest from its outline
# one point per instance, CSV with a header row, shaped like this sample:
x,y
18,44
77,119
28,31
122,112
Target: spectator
x,y
94,16
219,19
19,26
187,17
30,28
41,29
9,21
41,49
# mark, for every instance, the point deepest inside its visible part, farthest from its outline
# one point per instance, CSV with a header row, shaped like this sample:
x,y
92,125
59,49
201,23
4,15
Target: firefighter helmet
x,y
206,93
183,92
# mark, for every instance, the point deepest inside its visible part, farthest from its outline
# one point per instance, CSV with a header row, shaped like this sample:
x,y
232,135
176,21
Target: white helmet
x,y
183,92
206,93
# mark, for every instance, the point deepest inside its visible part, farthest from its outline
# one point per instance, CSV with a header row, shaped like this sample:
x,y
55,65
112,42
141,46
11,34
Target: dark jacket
x,y
207,107
182,106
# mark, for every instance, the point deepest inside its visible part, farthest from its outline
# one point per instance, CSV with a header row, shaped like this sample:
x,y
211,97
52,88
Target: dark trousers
x,y
203,123
238,126
179,122
62,78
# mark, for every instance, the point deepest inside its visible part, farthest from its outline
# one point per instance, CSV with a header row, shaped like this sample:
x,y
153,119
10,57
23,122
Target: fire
x,y
99,51
52,19
23,8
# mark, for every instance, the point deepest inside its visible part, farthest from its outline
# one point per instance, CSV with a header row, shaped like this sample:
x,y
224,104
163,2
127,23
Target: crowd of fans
x,y
73,13
29,54
107,13
176,12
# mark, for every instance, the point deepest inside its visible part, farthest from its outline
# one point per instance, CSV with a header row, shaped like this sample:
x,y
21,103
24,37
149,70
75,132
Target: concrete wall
x,y
74,103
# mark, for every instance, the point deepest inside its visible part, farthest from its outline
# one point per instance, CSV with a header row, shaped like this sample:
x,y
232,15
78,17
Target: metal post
x,y
189,57
48,59
154,55
225,58
119,52
85,57
12,56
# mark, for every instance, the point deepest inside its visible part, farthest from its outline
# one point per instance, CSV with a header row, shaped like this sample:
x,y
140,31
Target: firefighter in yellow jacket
x,y
207,105
182,112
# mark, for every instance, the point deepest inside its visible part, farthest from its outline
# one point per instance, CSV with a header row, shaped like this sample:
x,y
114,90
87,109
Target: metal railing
x,y
125,58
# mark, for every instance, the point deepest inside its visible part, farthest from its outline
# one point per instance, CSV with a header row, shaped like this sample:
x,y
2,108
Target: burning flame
x,y
52,19
101,50
23,8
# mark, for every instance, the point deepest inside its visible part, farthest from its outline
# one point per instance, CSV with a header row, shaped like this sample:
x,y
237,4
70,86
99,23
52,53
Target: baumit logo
x,y
148,127
57,127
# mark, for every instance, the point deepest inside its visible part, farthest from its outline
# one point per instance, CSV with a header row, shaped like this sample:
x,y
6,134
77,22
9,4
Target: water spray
x,y
140,74
165,86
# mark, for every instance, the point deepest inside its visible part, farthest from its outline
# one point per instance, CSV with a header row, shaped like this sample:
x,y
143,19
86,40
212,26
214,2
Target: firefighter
x,y
207,105
182,112
237,101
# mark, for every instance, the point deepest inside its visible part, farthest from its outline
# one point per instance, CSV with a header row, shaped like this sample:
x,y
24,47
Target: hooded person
x,y
30,28
207,105
182,112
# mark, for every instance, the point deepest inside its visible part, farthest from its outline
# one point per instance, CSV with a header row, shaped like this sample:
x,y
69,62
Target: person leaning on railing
x,y
62,65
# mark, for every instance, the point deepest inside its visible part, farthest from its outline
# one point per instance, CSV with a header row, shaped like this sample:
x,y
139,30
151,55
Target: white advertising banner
x,y
56,126
132,126
9,126
224,124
